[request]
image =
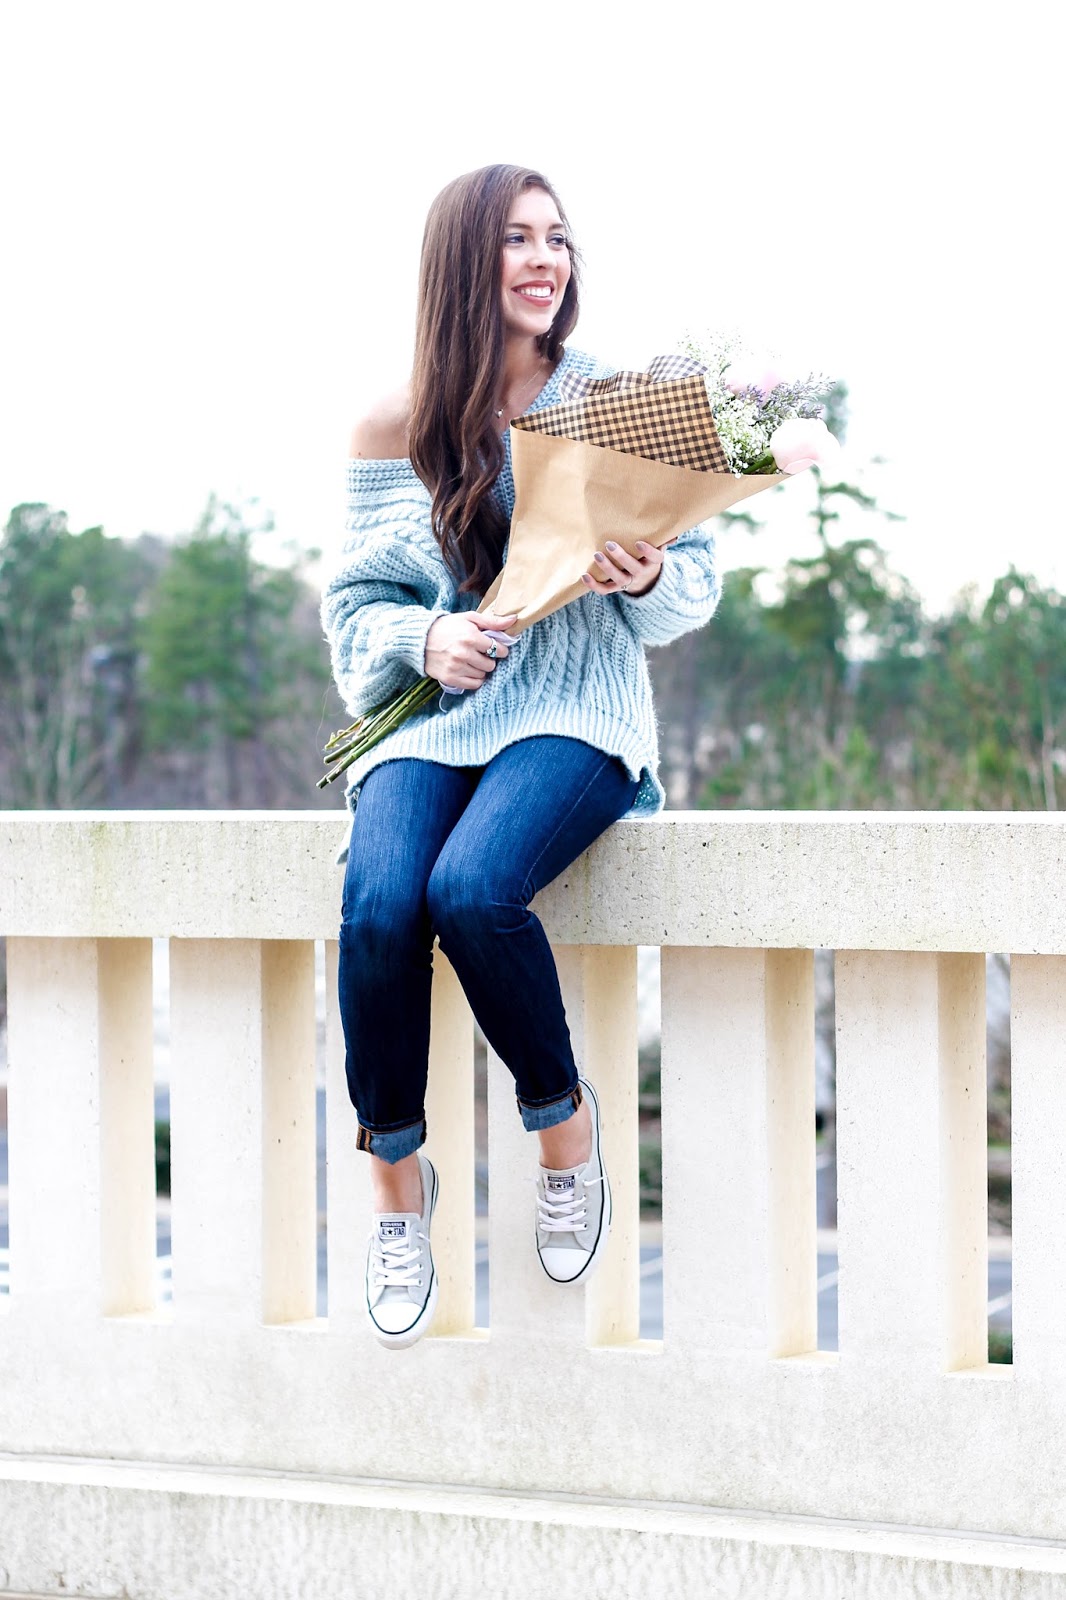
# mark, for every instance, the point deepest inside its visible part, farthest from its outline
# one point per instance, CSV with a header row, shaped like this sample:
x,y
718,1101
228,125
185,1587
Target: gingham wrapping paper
x,y
640,414
574,385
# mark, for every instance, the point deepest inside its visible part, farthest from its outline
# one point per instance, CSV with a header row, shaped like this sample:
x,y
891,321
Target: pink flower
x,y
762,376
803,442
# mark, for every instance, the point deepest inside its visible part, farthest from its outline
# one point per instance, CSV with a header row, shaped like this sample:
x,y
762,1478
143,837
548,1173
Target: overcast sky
x,y
212,216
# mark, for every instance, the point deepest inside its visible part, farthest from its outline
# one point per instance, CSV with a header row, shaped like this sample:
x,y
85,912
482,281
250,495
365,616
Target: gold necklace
x,y
522,391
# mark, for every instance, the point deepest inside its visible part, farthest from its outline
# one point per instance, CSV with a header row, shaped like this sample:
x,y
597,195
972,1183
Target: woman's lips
x,y
544,298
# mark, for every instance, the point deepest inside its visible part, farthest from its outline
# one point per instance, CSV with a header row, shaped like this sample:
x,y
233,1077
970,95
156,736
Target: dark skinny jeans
x,y
458,853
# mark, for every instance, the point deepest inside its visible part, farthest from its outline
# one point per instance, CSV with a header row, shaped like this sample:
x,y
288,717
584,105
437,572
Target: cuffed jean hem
x,y
549,1116
394,1145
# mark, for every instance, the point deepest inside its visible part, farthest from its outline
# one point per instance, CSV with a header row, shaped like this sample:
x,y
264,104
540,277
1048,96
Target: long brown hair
x,y
458,366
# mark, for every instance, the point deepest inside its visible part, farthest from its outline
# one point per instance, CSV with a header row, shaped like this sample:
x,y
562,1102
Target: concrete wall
x,y
735,1410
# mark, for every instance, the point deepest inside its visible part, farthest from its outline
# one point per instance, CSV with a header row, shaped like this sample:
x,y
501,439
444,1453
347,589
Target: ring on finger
x,y
493,650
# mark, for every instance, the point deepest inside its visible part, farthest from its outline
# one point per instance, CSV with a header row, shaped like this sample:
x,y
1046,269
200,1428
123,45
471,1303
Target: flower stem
x,y
346,747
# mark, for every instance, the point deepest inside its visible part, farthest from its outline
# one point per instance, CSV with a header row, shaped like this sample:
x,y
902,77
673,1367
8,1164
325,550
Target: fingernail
x,y
599,558
585,578
611,545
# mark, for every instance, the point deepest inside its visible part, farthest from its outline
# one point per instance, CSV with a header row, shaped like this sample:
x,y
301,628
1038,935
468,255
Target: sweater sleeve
x,y
389,586
685,595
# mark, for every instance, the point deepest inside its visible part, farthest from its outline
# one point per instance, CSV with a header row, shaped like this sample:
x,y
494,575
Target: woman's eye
x,y
557,240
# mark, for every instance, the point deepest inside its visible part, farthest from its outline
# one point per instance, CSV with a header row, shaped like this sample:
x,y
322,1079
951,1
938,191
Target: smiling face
x,y
536,264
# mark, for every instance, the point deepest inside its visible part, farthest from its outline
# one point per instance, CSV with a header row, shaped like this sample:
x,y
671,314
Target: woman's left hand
x,y
615,571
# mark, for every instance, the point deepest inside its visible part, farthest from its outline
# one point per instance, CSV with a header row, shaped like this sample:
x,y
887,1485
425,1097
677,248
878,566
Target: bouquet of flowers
x,y
636,456
765,421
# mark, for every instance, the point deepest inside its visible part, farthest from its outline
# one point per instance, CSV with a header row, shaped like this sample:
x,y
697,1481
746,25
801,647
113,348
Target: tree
x,y
229,672
995,707
67,657
716,690
761,707
852,623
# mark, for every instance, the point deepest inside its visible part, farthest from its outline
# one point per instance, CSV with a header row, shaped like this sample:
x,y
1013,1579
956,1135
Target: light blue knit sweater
x,y
579,673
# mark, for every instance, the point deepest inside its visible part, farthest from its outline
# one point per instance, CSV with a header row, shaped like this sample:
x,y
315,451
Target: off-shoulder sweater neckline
x,y
398,469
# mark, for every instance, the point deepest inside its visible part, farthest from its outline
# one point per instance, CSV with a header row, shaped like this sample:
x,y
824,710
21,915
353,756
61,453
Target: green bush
x,y
1000,1346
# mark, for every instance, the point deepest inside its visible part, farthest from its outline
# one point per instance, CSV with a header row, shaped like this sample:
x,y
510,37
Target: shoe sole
x,y
422,1323
595,1255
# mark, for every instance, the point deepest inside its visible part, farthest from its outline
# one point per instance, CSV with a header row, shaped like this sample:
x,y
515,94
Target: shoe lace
x,y
568,1213
396,1263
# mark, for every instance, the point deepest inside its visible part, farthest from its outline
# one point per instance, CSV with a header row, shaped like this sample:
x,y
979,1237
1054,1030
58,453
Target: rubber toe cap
x,y
563,1265
395,1316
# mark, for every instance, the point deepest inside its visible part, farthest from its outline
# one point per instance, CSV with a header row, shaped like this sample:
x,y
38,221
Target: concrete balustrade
x,y
554,1445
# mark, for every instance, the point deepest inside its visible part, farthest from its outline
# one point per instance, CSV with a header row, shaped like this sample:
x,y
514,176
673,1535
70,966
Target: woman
x,y
465,812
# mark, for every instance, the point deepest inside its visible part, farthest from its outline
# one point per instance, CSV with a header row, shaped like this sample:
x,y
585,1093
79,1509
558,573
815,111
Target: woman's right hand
x,y
456,649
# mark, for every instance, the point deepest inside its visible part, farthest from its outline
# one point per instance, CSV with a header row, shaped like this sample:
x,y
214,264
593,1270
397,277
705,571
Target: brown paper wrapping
x,y
571,496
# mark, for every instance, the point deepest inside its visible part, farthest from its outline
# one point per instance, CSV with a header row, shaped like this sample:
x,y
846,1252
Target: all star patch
x,y
560,1185
392,1230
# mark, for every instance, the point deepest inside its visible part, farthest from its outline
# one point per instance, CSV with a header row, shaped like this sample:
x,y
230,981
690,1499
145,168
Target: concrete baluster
x,y
599,984
127,1127
911,1163
964,1159
242,1129
1038,1166
451,1147
290,1222
82,1176
348,1201
738,1150
524,1302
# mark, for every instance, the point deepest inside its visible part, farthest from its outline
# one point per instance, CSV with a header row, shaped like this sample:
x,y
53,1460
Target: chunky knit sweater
x,y
579,673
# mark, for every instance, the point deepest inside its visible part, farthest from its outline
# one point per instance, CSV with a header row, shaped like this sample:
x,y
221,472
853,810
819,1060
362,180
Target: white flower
x,y
802,442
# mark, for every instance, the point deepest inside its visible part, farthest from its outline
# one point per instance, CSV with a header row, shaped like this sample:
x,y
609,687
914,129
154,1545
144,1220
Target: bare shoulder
x,y
381,433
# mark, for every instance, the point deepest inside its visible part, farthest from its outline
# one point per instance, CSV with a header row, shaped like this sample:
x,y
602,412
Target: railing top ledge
x,y
842,880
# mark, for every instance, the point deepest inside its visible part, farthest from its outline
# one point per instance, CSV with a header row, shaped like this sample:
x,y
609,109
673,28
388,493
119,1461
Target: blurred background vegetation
x,y
188,673
176,673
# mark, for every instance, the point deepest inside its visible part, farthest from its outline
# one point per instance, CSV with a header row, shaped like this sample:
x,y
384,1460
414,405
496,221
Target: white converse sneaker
x,y
574,1209
401,1284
